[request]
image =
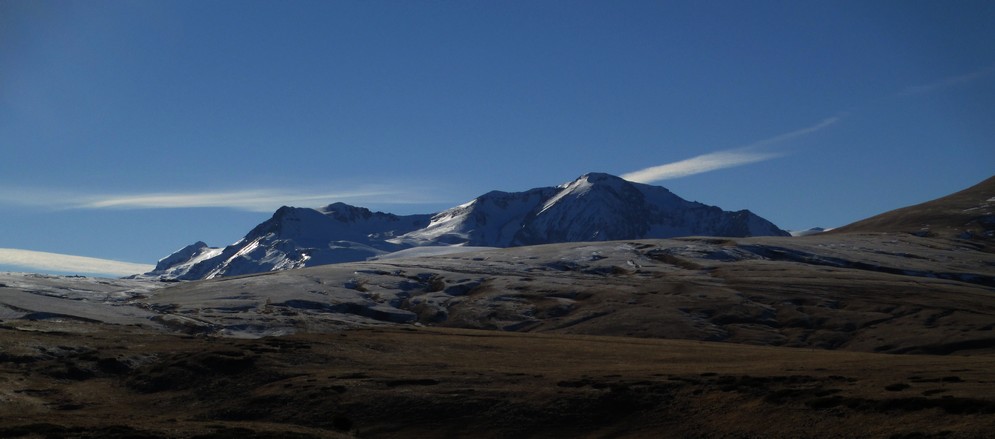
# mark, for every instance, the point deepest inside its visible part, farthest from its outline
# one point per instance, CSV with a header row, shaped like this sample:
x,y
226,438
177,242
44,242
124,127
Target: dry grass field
x,y
424,382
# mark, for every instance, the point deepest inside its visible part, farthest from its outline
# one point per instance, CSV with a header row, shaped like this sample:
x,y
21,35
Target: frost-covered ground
x,y
868,292
26,297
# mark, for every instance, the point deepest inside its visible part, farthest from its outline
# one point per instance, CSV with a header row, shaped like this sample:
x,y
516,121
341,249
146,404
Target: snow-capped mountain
x,y
594,207
179,264
295,237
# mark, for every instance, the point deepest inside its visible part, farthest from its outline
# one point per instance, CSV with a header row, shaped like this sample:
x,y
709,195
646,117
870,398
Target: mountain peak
x,y
346,213
590,182
599,177
594,178
594,207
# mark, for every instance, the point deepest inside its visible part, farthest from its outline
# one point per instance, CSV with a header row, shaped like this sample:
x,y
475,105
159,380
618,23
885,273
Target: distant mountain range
x,y
594,207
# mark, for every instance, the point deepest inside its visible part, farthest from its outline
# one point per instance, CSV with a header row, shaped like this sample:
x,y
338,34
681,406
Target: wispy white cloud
x,y
722,159
793,134
949,81
750,153
43,261
22,196
698,165
252,200
258,200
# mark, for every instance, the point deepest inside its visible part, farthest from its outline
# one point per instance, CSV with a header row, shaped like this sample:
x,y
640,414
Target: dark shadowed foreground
x,y
463,383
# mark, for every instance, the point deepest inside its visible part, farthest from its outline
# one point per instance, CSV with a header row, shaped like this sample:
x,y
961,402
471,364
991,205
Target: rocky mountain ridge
x,y
594,207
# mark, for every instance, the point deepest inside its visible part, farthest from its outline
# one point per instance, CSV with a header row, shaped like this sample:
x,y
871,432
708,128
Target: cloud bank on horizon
x,y
722,159
57,262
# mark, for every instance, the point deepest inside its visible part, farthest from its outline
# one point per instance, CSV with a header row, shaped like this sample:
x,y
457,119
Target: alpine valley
x,y
594,207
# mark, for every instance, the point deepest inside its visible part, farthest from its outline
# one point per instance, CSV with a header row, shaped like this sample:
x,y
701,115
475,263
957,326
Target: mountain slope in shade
x,y
595,207
968,214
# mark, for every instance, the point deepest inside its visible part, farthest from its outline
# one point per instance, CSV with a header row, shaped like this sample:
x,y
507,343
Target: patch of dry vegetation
x,y
463,383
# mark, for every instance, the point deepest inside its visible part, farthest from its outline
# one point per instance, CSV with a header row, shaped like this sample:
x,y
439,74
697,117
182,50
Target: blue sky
x,y
129,129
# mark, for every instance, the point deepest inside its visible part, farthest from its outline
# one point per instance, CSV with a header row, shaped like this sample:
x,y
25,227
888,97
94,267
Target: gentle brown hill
x,y
967,214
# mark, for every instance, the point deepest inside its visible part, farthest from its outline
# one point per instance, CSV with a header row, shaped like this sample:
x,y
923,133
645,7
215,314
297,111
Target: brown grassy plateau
x,y
462,383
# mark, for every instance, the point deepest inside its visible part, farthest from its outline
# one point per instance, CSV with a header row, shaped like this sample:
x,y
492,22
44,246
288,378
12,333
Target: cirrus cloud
x,y
698,165
723,159
253,200
947,82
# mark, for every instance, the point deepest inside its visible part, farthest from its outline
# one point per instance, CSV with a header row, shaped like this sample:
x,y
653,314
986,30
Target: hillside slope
x,y
967,214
